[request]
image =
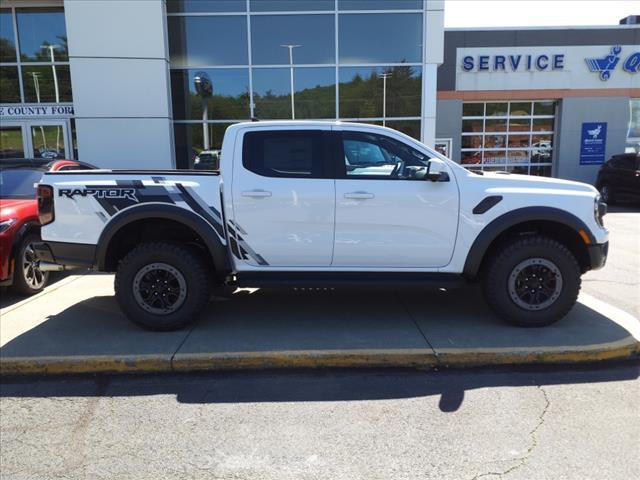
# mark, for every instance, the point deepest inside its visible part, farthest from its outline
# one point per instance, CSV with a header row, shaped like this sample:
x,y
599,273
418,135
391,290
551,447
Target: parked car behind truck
x,y
324,204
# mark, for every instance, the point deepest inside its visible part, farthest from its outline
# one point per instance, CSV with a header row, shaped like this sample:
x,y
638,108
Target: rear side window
x,y
295,153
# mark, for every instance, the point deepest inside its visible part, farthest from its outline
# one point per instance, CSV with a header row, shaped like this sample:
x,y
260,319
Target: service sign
x,y
526,68
593,143
28,111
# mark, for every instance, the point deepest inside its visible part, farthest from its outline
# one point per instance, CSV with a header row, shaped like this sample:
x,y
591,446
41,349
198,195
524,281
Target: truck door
x,y
387,214
283,198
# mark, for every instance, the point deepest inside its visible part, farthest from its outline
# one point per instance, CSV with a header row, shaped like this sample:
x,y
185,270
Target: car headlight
x,y
6,224
599,210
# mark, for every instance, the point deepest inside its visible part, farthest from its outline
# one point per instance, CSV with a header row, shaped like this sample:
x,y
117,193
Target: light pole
x,y
204,88
36,84
384,77
293,106
51,48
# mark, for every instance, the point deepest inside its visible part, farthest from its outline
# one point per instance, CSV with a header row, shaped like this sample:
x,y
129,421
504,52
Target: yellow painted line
x,y
305,359
85,364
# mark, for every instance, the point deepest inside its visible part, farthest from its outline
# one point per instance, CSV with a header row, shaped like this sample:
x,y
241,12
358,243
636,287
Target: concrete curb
x,y
414,358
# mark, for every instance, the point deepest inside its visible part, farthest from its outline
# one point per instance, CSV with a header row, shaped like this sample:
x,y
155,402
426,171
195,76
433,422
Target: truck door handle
x,y
256,193
359,195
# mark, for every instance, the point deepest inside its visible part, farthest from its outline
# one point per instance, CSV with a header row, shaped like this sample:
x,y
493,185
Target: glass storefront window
x,y
378,38
208,40
210,93
315,92
11,145
473,109
408,127
42,35
9,85
313,35
272,93
518,109
291,5
203,6
509,137
497,109
48,141
380,4
361,91
193,139
7,39
47,84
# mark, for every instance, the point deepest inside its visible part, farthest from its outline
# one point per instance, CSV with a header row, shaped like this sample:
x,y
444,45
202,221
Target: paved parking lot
x,y
619,282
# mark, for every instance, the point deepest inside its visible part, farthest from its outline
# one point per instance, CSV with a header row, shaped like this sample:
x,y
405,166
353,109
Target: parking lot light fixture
x,y
291,47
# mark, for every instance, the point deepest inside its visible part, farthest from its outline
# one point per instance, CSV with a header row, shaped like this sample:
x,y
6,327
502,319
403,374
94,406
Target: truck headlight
x,y
6,224
599,210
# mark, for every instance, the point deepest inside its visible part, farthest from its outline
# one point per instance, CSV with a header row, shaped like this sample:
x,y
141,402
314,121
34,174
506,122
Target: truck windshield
x,y
18,183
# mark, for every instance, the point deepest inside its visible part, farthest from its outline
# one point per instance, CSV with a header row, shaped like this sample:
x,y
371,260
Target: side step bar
x,y
349,279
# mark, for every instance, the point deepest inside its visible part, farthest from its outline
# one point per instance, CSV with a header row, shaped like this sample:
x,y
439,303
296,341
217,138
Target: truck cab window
x,y
300,153
379,157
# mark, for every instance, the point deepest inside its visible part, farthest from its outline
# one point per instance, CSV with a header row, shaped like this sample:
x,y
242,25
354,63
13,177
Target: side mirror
x,y
436,171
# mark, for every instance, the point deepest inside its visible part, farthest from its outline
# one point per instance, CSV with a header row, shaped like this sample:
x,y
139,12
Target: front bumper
x,y
68,254
598,255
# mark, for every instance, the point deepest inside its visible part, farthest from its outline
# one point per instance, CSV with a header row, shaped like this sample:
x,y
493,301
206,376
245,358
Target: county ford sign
x,y
526,68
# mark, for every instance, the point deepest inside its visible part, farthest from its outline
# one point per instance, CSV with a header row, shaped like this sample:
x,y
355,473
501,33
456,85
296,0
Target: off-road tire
x,y
501,264
21,284
181,258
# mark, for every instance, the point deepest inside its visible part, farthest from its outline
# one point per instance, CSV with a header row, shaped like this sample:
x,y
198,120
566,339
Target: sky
x,y
527,13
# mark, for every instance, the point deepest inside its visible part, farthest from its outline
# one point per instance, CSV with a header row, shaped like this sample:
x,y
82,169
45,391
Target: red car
x,y
19,226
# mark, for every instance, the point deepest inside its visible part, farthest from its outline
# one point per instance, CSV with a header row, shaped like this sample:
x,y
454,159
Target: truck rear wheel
x,y
532,282
162,286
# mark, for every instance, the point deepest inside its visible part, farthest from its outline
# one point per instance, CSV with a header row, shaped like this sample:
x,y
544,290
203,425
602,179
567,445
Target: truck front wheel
x,y
532,281
162,286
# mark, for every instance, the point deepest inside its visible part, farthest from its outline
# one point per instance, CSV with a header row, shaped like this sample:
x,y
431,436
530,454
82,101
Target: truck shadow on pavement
x,y
317,385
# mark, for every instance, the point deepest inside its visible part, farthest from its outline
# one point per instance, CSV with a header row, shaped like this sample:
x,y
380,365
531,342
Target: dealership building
x,y
152,83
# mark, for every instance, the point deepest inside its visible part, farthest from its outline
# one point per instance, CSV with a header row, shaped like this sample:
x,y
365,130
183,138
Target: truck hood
x,y
508,181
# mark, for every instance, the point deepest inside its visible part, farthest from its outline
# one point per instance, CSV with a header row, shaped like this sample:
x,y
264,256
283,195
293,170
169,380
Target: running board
x,y
349,279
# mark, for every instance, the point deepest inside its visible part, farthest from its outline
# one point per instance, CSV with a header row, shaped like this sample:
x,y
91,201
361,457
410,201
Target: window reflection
x,y
408,127
44,84
228,97
208,40
314,93
7,42
9,85
361,91
42,35
191,146
378,38
11,145
291,5
200,6
379,4
48,141
314,36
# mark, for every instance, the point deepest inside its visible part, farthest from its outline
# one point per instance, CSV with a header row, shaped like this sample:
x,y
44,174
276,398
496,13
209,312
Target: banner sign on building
x,y
36,110
560,67
593,143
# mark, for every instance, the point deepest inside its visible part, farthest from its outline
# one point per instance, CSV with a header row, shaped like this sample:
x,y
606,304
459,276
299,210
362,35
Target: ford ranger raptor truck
x,y
320,204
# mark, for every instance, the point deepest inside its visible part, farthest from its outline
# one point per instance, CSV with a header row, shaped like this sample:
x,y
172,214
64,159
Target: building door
x,y
48,139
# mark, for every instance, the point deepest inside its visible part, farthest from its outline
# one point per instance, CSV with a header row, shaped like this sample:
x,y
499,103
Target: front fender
x,y
521,215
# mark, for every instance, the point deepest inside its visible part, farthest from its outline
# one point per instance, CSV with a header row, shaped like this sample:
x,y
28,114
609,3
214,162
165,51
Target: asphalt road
x,y
618,283
367,424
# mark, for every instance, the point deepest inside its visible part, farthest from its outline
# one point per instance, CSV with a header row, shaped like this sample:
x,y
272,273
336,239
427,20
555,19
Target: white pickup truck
x,y
323,204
